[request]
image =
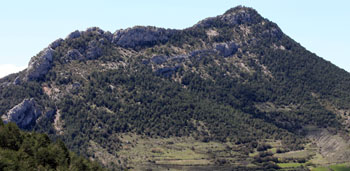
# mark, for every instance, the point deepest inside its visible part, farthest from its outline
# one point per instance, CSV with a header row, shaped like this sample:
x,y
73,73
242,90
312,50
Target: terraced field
x,y
178,153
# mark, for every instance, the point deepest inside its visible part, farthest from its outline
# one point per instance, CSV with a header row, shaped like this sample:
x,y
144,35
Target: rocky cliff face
x,y
39,65
141,36
226,49
23,114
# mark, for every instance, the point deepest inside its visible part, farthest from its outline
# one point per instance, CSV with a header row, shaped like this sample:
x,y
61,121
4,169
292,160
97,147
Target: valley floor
x,y
186,153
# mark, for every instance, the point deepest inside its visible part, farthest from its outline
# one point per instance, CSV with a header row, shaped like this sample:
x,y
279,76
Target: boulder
x,y
226,49
105,34
23,114
73,54
95,29
273,32
159,59
93,51
39,65
178,58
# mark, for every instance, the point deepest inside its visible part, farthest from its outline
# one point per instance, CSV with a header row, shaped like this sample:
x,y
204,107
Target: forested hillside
x,y
232,91
32,151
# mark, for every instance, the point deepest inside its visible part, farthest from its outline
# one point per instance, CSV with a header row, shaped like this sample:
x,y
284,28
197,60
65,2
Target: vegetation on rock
x,y
232,79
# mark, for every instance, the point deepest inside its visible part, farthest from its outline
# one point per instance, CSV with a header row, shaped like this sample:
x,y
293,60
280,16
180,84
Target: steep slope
x,y
234,79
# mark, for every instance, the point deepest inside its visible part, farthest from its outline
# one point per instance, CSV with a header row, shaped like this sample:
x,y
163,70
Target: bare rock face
x,y
159,59
108,35
96,30
331,146
73,54
93,51
226,49
23,114
39,65
141,36
238,16
273,32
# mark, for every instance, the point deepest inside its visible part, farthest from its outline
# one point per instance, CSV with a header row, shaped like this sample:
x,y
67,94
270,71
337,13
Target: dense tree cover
x,y
138,100
206,96
33,151
117,101
14,94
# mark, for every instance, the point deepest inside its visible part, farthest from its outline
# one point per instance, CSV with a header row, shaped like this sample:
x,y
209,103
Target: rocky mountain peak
x,y
241,9
234,79
232,17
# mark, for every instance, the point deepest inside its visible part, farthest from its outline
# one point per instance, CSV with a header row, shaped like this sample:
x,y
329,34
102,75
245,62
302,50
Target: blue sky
x,y
29,26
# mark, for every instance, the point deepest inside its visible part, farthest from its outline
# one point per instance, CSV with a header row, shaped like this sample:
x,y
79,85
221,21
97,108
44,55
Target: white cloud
x,y
6,69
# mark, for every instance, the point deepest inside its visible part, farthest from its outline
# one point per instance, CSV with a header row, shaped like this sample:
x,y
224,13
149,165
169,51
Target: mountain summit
x,y
231,92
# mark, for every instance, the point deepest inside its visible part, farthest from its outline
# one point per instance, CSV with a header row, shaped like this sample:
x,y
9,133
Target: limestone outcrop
x,y
23,114
141,36
39,65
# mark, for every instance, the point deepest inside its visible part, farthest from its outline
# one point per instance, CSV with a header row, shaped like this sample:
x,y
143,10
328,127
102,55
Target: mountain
x,y
231,92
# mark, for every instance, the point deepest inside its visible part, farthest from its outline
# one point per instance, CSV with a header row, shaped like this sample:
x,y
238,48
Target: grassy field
x,y
181,151
336,167
318,159
295,154
187,153
184,162
287,165
320,169
340,167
